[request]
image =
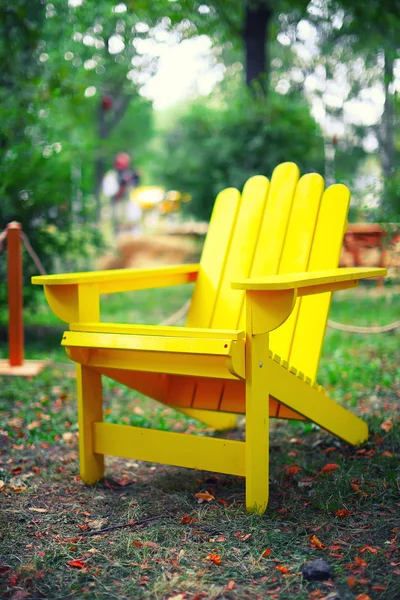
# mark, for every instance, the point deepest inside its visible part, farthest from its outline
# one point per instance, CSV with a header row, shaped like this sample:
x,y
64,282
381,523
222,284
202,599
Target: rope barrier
x,y
32,253
181,312
172,319
356,329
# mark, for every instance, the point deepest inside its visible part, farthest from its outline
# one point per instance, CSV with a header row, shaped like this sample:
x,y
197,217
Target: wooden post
x,y
14,264
16,365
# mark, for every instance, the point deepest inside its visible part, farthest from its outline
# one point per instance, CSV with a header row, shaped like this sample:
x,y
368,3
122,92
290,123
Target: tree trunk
x,y
387,127
255,32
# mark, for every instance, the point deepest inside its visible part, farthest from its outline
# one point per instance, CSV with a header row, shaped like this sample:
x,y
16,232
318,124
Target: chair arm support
x,y
75,297
310,283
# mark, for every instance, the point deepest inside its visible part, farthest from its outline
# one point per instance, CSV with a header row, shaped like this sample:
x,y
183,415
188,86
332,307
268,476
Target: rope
x,y
3,236
32,253
176,316
172,319
356,329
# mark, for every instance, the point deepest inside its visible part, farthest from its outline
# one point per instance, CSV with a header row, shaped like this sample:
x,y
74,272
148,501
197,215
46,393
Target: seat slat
x,y
156,330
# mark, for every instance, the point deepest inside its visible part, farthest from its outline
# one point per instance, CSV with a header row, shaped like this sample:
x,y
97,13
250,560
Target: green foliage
x,y
227,140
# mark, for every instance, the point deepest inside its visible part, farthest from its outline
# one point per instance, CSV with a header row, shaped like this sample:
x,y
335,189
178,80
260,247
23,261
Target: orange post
x,y
14,264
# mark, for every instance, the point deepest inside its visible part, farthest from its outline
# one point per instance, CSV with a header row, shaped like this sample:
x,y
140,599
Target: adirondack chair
x,y
252,341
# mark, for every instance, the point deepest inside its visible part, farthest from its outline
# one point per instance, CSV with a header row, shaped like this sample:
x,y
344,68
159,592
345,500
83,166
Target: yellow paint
x,y
180,449
253,338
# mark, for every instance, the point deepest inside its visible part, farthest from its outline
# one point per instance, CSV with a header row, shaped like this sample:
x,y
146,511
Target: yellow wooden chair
x,y
252,341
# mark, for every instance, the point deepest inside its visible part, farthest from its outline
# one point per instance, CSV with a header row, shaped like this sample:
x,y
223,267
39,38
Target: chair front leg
x,y
90,410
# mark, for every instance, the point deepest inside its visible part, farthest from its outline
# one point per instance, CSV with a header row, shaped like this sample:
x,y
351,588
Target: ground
x,y
62,539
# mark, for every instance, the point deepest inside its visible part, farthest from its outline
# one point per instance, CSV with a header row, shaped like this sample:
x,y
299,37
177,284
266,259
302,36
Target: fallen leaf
x,y
363,597
230,585
360,562
266,552
1,485
369,549
329,467
77,564
83,527
387,425
177,597
97,523
33,425
351,582
215,558
204,497
188,520
39,510
379,588
151,545
316,543
291,470
137,544
342,513
387,453
68,436
282,569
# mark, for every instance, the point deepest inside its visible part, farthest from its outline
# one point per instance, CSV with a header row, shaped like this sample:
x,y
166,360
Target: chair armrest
x,y
118,280
313,282
74,297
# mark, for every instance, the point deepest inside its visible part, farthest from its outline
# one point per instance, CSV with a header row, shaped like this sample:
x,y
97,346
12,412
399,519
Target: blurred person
x,y
118,185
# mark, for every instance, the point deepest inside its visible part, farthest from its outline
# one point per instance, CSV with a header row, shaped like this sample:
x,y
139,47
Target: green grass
x,y
167,557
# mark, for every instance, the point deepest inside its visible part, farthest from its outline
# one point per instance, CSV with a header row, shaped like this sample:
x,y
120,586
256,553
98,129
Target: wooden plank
x,y
313,314
154,343
158,330
134,275
307,278
296,250
315,405
155,362
238,264
215,252
179,449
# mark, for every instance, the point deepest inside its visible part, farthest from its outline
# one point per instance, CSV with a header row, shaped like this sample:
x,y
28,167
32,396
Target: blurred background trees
x,y
315,82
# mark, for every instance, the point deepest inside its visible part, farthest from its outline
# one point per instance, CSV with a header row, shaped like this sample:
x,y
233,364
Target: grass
x,y
48,515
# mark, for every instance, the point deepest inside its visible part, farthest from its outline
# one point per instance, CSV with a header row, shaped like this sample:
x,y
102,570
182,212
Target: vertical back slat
x,y
215,254
238,264
296,251
325,253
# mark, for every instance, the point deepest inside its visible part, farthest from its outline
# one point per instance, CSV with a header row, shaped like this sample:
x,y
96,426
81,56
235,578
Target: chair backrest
x,y
284,226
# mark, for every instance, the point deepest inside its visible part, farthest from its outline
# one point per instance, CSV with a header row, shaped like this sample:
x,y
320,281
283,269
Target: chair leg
x,y
257,424
218,420
90,410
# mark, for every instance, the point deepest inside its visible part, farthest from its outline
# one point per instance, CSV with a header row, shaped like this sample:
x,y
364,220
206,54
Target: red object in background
x,y
122,161
334,140
107,102
15,328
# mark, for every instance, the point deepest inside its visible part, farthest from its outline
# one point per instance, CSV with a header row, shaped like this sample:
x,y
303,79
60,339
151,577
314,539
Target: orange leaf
x,y
360,562
83,527
282,569
291,470
342,513
387,425
77,564
204,497
329,467
266,552
369,549
187,519
387,453
137,544
379,588
316,543
230,585
351,582
363,597
215,558
151,545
